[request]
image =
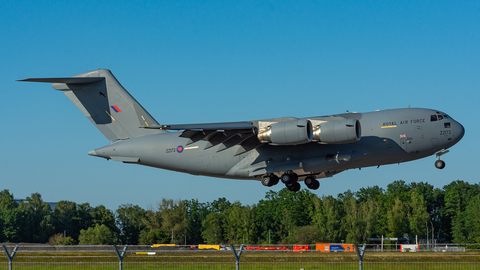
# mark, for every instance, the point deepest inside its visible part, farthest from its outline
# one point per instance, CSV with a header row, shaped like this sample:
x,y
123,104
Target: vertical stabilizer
x,y
105,103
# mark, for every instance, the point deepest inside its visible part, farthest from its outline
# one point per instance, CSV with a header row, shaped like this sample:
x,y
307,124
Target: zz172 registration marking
x,y
170,150
445,132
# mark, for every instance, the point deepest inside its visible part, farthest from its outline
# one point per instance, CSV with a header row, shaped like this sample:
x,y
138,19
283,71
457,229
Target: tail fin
x,y
106,103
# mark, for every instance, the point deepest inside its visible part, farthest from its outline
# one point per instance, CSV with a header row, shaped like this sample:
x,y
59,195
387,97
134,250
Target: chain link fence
x,y
243,265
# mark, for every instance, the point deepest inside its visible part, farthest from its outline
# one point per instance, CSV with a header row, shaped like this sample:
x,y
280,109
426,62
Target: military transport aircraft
x,y
287,149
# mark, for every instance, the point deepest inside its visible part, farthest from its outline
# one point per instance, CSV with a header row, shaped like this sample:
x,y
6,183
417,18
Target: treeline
x,y
281,217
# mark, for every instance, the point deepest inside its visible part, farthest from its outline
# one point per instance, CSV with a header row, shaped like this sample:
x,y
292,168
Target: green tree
x,y
280,212
398,190
196,212
360,219
327,219
238,224
84,216
472,220
305,235
103,216
35,220
418,216
65,219
129,220
153,236
457,196
220,205
98,235
9,227
213,228
435,206
174,219
397,219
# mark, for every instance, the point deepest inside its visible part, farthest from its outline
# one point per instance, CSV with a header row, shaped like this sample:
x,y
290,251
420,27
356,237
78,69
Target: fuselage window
x,y
447,125
433,118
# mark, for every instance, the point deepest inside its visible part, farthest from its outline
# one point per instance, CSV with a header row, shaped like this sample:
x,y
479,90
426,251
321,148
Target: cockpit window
x,y
440,117
447,116
433,118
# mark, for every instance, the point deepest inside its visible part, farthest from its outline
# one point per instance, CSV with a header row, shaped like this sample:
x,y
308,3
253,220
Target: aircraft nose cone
x,y
460,131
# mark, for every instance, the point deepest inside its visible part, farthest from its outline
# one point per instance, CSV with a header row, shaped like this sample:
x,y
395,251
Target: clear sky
x,y
217,61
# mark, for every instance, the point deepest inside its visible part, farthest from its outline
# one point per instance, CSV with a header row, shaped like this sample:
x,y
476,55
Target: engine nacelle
x,y
337,132
288,133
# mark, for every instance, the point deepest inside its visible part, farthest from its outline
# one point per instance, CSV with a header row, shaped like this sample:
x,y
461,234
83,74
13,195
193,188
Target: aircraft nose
x,y
459,131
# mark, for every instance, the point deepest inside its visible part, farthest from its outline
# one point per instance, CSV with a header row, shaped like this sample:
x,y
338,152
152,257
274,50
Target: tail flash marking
x,y
115,108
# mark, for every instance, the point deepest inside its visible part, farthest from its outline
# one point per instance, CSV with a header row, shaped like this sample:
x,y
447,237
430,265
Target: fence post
x,y
237,256
120,256
10,257
360,254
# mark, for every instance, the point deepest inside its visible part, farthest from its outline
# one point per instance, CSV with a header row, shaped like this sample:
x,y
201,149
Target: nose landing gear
x,y
440,164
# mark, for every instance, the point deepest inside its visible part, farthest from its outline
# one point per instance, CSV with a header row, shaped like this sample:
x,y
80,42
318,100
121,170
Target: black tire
x,y
267,180
315,185
295,187
439,164
287,178
309,180
275,180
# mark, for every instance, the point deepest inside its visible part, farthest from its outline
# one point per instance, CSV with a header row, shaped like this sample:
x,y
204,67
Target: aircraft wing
x,y
207,126
279,131
227,134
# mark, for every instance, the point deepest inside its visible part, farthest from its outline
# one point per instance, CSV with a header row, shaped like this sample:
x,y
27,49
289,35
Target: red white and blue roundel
x,y
180,149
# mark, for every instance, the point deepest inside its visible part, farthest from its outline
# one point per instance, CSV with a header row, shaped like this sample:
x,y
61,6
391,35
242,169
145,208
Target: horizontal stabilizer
x,y
65,80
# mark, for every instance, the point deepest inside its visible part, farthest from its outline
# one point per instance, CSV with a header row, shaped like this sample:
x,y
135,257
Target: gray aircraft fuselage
x,y
289,149
389,136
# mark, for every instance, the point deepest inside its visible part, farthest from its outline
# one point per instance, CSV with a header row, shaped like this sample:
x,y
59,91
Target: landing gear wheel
x,y
269,180
309,180
439,164
295,186
275,179
312,183
288,178
315,185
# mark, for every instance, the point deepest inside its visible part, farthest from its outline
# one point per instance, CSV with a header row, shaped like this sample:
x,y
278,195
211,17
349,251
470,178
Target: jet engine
x,y
337,132
288,133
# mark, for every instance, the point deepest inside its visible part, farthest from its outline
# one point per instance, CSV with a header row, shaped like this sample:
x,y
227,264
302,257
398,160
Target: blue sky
x,y
203,61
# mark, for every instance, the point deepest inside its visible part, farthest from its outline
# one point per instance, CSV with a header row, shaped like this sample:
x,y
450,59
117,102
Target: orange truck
x,y
327,247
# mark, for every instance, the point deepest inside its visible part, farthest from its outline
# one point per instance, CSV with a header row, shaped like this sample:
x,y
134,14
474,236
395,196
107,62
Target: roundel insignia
x,y
180,149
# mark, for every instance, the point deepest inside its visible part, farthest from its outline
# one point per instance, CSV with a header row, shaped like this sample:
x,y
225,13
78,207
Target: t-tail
x,y
105,103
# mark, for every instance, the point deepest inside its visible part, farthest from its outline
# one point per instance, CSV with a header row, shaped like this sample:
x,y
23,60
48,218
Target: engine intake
x,y
338,132
288,133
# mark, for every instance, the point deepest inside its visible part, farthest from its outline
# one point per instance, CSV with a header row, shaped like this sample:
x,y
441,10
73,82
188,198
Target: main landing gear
x,y
290,179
